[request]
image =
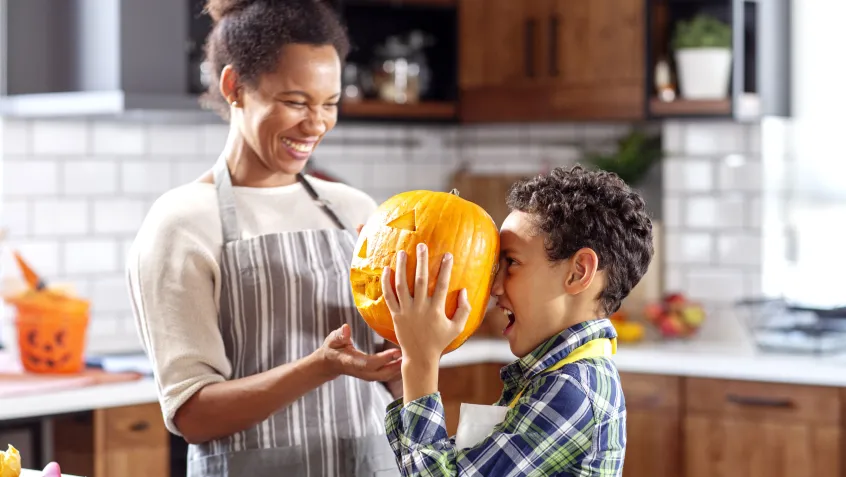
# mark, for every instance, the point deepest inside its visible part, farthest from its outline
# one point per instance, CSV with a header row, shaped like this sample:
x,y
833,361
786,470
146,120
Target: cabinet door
x,y
597,58
503,46
127,441
736,428
653,425
133,441
472,384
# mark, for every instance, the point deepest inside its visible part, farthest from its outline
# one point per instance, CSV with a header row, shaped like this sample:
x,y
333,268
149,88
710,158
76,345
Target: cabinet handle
x,y
553,45
759,401
139,426
529,46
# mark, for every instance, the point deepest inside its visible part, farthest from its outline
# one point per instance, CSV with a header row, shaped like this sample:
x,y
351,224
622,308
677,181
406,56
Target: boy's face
x,y
536,294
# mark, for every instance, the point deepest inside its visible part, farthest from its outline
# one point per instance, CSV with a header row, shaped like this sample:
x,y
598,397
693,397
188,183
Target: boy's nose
x,y
497,288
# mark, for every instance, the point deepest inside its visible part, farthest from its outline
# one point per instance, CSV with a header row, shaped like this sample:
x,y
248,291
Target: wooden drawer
x,y
133,426
651,391
756,400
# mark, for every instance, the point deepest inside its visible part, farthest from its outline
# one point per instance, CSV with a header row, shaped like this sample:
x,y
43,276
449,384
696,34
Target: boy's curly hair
x,y
579,208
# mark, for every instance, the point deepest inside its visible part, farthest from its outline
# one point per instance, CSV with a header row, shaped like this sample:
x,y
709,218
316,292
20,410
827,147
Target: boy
x,y
574,245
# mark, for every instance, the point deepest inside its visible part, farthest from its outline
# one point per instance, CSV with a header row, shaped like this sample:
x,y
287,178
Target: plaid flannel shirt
x,y
569,422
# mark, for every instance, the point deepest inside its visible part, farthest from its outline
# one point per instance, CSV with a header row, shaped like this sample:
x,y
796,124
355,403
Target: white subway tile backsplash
x,y
189,171
556,133
714,212
425,176
41,254
688,247
168,140
89,177
672,211
102,326
674,280
86,256
740,249
60,137
15,217
30,177
214,139
118,215
388,175
607,133
145,177
673,137
60,217
688,175
15,136
737,172
109,294
118,139
715,284
712,138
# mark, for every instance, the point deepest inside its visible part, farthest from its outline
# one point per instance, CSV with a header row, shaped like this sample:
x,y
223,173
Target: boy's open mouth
x,y
510,315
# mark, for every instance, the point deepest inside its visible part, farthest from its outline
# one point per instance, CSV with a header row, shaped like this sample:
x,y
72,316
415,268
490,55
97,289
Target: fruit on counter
x,y
675,316
10,462
627,331
445,223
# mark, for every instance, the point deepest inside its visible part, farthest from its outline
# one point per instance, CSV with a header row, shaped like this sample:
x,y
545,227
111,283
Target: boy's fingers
x,y
442,286
462,312
403,295
421,277
388,292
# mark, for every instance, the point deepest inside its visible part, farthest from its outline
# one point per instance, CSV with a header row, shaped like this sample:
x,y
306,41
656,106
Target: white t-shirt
x,y
173,272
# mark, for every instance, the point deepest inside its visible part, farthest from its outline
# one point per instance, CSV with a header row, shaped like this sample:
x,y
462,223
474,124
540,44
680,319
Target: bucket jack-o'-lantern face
x,y
445,223
47,351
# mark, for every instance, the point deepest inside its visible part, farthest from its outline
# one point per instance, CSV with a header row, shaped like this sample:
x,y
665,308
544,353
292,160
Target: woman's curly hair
x,y
579,208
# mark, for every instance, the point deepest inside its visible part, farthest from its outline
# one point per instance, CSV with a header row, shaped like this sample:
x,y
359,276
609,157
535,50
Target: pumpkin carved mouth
x,y
367,282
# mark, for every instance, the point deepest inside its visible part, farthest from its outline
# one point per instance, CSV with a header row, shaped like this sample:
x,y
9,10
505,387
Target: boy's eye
x,y
294,103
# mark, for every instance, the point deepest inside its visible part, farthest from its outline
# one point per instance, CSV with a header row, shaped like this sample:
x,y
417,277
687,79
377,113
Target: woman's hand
x,y
341,357
420,322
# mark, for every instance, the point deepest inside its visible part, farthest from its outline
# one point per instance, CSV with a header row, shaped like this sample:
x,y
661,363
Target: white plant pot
x,y
704,72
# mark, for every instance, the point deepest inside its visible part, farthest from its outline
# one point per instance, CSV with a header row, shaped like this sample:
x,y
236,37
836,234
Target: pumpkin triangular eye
x,y
407,221
362,252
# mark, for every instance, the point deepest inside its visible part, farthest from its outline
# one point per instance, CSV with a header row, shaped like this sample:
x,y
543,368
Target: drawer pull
x,y
139,426
759,401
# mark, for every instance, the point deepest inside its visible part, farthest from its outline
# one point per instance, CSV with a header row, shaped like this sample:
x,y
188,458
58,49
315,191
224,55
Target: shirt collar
x,y
555,349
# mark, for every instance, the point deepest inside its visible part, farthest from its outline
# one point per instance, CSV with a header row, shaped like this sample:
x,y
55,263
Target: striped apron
x,y
281,295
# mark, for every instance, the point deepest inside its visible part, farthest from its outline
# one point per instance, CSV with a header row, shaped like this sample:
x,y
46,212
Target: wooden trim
x,y
423,110
689,107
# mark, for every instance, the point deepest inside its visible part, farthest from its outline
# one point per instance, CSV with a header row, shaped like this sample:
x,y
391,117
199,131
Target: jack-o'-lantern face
x,y
46,350
445,223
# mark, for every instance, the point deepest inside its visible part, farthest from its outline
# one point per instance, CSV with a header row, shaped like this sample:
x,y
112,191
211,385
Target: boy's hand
x,y
420,322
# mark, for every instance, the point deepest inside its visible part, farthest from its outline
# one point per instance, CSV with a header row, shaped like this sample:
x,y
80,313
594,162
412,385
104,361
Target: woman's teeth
x,y
298,146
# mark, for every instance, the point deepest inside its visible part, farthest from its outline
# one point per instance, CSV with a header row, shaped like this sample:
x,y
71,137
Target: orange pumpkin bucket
x,y
52,331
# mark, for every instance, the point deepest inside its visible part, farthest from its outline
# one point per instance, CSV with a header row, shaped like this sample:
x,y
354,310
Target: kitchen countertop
x,y
694,358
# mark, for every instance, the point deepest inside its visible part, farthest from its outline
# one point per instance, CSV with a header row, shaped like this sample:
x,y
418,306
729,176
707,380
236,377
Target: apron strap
x,y
325,205
226,201
595,348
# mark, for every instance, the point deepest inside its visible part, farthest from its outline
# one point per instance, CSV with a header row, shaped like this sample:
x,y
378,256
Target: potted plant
x,y
703,54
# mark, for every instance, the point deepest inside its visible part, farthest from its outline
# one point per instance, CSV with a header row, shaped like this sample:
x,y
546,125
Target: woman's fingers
x,y
442,286
421,276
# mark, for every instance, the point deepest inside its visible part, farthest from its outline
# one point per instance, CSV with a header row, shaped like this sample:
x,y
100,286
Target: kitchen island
x,y
707,407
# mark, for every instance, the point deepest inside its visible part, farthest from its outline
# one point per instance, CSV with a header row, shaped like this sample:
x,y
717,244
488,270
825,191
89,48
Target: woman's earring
x,y
235,103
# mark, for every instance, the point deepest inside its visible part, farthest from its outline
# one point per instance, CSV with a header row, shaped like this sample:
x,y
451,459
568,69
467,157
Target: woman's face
x,y
289,111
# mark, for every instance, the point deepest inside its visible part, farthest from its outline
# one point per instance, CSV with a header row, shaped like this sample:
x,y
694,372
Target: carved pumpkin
x,y
445,223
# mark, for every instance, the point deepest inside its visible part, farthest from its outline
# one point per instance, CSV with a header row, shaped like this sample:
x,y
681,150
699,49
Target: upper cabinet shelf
x,y
718,58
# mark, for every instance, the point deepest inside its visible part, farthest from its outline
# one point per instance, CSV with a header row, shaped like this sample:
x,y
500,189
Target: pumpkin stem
x,y
454,192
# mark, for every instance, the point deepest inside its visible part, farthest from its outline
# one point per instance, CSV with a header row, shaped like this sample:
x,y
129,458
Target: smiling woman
x,y
239,280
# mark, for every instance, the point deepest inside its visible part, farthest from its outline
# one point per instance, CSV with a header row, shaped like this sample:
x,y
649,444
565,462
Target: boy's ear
x,y
583,267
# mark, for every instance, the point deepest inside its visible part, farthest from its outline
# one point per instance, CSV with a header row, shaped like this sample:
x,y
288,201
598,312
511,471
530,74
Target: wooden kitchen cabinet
x,y
473,384
127,441
749,429
537,60
653,425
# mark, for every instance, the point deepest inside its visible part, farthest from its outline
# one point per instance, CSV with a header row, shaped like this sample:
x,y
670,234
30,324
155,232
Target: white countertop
x,y
695,358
